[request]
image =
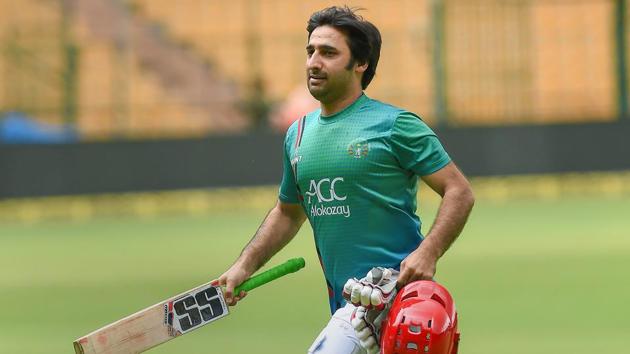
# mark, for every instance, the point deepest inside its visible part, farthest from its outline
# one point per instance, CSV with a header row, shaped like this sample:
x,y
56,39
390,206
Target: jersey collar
x,y
344,112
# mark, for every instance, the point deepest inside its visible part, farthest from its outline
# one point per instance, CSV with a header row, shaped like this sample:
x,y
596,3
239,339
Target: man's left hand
x,y
419,265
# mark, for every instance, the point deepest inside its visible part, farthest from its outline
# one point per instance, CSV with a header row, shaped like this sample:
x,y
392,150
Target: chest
x,y
351,152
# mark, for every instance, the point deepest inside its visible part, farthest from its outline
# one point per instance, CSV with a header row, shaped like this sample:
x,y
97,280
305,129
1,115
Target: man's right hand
x,y
232,278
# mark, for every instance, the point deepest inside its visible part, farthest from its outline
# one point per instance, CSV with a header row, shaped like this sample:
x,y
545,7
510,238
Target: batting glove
x,y
372,295
374,291
367,326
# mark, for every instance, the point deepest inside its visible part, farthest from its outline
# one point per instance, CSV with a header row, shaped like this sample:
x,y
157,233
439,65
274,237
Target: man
x,y
351,168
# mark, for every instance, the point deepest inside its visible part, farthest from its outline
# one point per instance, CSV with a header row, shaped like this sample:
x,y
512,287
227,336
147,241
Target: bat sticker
x,y
195,309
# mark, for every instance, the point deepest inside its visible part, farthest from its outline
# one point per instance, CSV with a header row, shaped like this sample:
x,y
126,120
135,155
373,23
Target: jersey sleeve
x,y
416,145
288,189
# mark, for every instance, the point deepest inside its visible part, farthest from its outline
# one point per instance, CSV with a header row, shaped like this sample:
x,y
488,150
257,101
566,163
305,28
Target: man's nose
x,y
314,62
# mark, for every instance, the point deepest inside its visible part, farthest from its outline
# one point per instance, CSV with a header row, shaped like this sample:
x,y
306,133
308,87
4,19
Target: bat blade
x,y
157,324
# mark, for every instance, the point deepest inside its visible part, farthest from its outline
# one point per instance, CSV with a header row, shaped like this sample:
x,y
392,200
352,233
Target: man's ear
x,y
361,68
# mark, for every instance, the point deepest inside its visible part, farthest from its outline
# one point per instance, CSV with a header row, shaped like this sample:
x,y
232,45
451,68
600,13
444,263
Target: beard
x,y
325,88
318,92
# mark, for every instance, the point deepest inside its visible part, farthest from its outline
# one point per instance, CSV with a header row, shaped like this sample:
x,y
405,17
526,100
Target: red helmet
x,y
422,320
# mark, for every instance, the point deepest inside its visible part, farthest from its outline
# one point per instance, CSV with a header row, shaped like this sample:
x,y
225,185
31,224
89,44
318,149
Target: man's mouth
x,y
316,79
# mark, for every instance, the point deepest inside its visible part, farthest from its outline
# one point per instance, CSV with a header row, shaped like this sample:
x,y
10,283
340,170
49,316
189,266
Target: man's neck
x,y
328,109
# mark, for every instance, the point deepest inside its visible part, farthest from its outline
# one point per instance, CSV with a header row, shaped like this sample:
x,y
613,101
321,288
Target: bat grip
x,y
290,266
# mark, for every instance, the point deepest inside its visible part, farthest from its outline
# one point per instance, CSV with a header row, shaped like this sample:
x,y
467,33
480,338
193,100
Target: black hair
x,y
362,36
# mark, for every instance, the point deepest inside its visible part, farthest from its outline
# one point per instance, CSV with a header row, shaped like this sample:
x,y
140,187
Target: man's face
x,y
330,70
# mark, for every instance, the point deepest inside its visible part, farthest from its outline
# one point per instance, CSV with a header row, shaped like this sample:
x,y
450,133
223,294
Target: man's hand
x,y
232,278
419,265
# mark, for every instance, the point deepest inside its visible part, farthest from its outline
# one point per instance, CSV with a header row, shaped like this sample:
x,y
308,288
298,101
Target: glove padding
x,y
373,296
367,326
375,291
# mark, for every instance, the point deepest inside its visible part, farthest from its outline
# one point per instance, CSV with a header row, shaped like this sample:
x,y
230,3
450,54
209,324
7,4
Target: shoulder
x,y
312,116
296,127
382,108
395,115
309,118
410,122
399,120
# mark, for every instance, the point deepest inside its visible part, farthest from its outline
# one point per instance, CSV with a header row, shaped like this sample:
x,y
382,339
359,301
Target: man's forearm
x,y
452,215
276,231
457,202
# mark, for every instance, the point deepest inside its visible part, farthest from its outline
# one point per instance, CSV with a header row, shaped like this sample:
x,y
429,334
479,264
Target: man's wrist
x,y
247,263
428,251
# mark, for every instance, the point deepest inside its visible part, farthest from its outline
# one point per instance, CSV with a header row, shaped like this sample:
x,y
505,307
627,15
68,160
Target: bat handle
x,y
290,266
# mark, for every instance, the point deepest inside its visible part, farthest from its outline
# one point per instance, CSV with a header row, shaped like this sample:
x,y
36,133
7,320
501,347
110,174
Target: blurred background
x,y
140,147
129,69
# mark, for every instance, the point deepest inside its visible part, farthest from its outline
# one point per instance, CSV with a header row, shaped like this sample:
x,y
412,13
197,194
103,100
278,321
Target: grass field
x,y
528,275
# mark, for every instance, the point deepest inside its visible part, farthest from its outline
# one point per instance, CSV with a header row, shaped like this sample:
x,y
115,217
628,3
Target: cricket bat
x,y
172,317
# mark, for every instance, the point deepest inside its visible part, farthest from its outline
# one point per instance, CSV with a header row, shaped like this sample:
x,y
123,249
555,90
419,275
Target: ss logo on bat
x,y
194,310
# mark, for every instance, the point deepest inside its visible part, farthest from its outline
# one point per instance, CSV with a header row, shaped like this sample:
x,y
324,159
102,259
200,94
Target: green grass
x,y
528,276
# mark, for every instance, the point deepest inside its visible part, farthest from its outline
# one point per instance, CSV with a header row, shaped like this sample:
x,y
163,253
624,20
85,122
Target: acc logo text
x,y
324,190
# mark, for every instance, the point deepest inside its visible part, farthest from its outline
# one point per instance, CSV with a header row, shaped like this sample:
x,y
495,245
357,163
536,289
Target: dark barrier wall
x,y
540,149
39,170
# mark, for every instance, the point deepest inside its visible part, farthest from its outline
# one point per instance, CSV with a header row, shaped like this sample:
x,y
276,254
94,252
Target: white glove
x,y
372,295
367,326
376,290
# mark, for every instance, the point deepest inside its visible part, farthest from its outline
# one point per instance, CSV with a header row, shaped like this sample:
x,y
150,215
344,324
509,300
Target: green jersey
x,y
355,173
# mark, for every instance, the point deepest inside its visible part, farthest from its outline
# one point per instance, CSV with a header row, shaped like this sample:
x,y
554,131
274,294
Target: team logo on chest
x,y
358,148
